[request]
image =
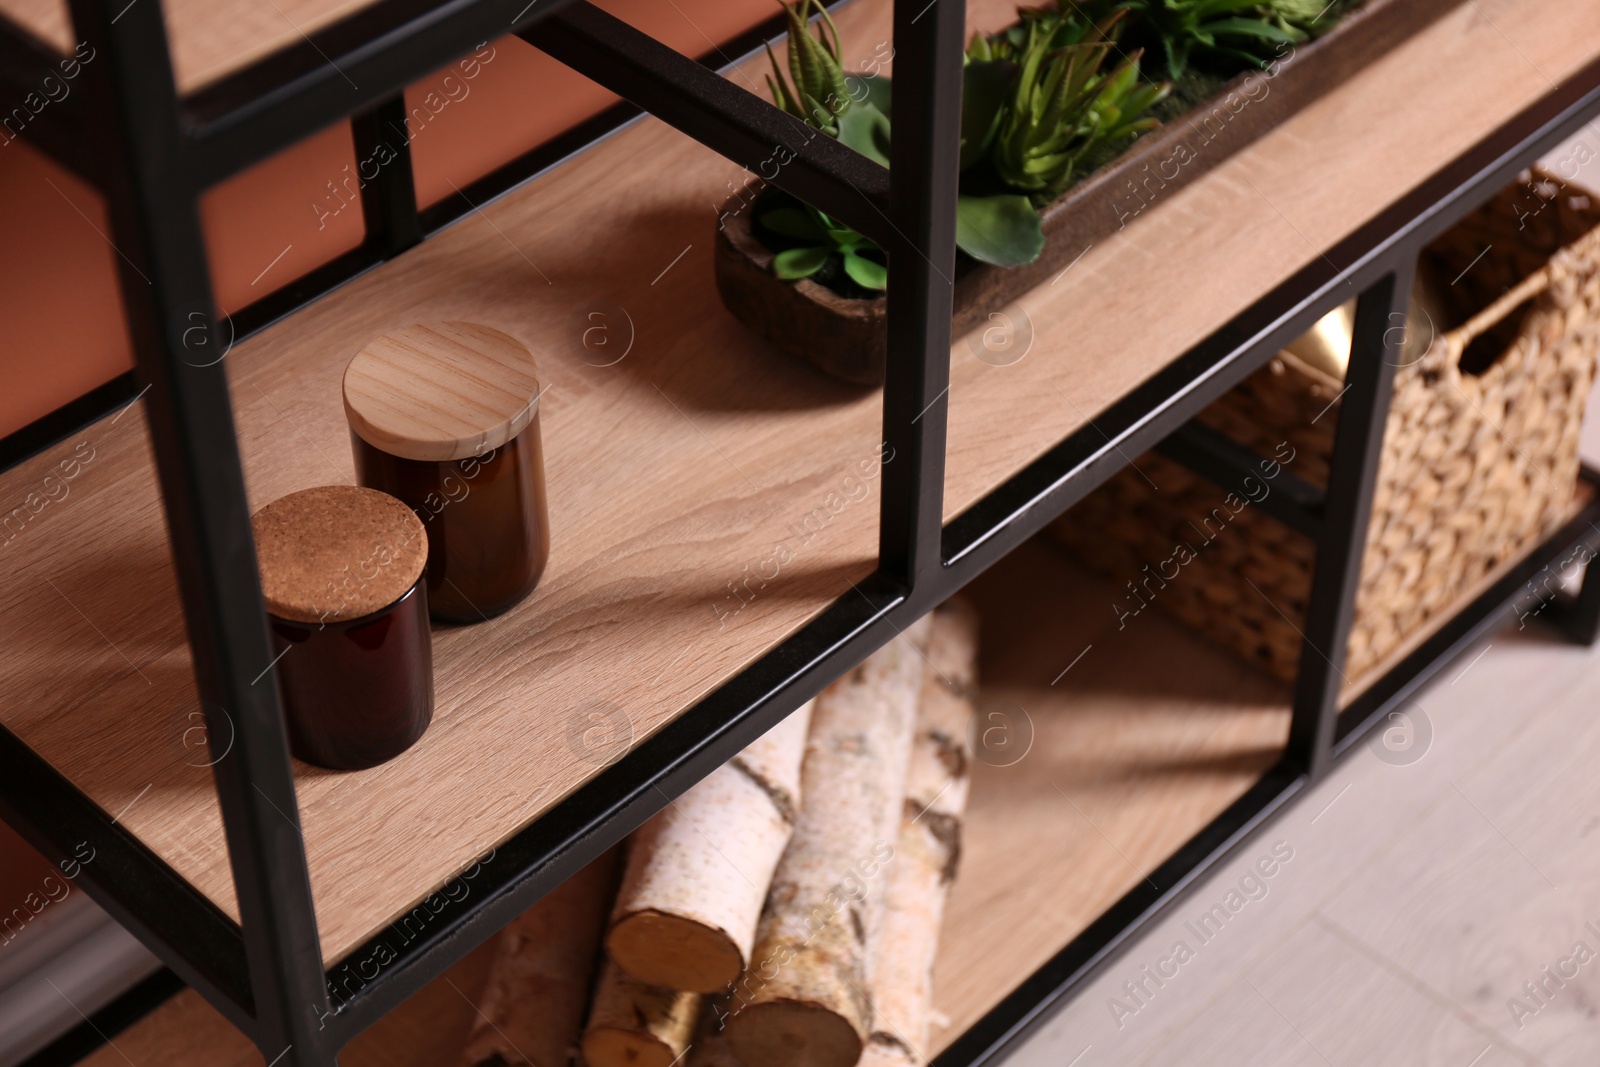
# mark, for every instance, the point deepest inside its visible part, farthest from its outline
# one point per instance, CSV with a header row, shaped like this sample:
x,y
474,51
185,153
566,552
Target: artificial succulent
x,y
818,95
1002,229
1039,108
1063,107
1228,33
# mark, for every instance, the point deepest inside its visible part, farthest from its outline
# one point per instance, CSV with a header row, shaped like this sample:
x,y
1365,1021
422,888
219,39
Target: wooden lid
x,y
337,552
440,391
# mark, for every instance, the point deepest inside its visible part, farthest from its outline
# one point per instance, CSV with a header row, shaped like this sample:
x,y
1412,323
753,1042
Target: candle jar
x,y
342,576
445,416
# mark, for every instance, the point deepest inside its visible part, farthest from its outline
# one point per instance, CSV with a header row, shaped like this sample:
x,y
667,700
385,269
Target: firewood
x,y
635,1024
538,990
698,872
802,1002
929,846
712,1048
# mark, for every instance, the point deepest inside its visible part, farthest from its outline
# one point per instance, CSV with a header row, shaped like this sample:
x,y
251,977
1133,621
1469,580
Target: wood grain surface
x,y
707,496
1101,750
438,391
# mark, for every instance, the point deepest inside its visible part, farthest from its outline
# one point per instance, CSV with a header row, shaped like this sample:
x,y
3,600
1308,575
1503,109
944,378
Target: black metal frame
x,y
158,152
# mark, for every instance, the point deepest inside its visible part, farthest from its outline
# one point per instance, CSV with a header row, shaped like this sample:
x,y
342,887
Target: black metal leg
x,y
383,167
164,277
269,973
1580,620
922,179
1358,445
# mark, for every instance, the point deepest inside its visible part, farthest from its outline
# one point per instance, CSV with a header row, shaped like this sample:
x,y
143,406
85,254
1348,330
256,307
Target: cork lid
x,y
440,391
337,552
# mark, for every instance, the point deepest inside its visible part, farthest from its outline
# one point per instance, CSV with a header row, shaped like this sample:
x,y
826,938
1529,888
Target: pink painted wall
x,y
59,301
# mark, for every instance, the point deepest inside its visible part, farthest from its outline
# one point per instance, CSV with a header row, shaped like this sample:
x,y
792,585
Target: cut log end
x,y
887,1050
786,1033
674,952
625,1048
633,1024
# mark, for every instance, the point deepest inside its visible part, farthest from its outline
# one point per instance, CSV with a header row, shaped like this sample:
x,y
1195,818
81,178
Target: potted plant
x,y
1075,121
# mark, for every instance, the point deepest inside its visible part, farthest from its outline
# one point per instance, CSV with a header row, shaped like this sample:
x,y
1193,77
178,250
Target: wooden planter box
x,y
847,337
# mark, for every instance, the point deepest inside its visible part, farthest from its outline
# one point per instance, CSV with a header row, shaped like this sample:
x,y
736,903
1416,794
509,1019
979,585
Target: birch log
x,y
929,846
802,1001
634,1024
711,1048
533,1008
698,872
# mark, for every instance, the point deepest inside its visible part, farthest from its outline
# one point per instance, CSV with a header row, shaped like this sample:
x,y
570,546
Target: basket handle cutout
x,y
1475,358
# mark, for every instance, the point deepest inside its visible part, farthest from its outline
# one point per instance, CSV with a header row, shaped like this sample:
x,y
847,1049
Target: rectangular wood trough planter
x,y
847,337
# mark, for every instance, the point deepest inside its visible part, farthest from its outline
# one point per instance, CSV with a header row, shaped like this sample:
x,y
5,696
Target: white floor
x,y
1440,906
1419,898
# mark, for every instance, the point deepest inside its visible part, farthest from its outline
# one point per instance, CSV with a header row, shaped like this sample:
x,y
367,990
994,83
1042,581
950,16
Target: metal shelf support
x,y
158,152
384,171
922,257
339,71
1293,501
720,114
1347,513
166,285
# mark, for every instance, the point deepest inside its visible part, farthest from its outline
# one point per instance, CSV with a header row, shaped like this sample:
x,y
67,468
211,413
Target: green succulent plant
x,y
814,91
818,95
1305,15
821,239
1040,108
1067,23
1246,32
1000,229
1063,107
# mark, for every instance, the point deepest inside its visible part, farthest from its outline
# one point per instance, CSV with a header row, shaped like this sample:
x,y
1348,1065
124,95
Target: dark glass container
x,y
488,538
347,605
445,417
357,693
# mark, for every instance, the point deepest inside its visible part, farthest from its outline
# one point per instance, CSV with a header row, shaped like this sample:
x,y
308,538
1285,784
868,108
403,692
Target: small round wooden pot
x,y
445,416
341,572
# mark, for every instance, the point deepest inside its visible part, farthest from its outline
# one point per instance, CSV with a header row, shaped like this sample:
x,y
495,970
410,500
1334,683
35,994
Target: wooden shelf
x,y
209,38
1146,765
672,473
1187,265
1145,740
1118,762
427,1030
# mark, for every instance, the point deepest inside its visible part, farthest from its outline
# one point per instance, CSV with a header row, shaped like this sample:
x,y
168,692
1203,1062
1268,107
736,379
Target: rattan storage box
x,y
1480,456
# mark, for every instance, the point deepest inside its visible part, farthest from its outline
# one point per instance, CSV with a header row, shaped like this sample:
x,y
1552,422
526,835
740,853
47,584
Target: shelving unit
x,y
1149,766
208,41
672,474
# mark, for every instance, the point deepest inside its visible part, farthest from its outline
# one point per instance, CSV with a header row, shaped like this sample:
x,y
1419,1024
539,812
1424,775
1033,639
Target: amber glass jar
x,y
445,416
342,575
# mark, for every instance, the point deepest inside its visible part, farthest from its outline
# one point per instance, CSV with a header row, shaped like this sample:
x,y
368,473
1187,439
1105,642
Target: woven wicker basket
x,y
1480,456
